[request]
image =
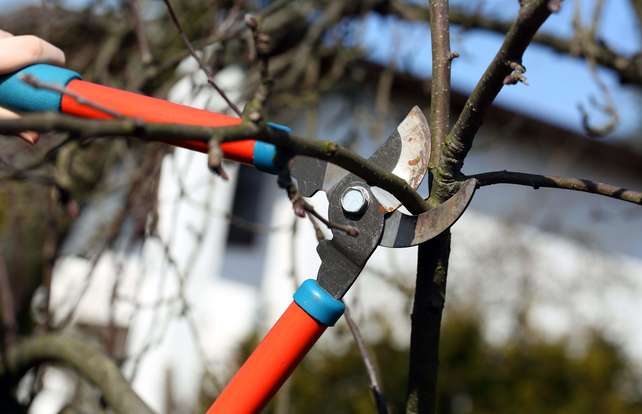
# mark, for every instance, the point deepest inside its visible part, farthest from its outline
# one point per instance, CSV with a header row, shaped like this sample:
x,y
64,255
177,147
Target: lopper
x,y
352,202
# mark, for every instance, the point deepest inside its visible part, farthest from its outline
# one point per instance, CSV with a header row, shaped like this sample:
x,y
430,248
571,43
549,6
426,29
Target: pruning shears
x,y
371,211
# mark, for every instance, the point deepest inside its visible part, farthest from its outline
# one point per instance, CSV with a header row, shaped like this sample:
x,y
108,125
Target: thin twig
x,y
143,44
371,370
549,181
318,233
585,40
628,68
347,229
302,208
36,83
215,159
201,64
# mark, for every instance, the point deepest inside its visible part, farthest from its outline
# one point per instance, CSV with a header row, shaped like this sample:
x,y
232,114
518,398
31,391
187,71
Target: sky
x,y
557,83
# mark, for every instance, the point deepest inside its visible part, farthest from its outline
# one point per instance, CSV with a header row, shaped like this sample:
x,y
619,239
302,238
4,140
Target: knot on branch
x,y
331,148
215,159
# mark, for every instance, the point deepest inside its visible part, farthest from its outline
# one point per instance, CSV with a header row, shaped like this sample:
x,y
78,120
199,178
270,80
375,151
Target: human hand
x,y
19,51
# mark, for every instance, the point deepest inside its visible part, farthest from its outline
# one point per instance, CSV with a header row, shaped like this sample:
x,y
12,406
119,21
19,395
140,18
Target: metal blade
x,y
313,175
343,257
405,154
402,230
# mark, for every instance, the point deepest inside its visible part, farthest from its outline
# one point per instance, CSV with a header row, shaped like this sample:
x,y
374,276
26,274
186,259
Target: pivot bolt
x,y
354,201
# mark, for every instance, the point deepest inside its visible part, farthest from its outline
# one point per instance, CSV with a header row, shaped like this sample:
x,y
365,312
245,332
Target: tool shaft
x,y
270,364
18,95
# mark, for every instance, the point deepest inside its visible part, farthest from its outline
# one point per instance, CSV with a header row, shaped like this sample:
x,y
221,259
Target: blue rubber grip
x,y
318,303
263,157
18,95
264,153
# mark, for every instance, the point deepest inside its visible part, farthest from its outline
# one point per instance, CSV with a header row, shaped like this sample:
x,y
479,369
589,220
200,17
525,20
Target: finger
x,y
4,34
19,51
7,114
29,136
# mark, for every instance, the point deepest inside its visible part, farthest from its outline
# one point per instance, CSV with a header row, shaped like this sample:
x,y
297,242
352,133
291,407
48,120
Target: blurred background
x,y
176,273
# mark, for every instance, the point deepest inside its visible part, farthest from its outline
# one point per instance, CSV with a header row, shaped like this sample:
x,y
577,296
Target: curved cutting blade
x,y
402,230
405,153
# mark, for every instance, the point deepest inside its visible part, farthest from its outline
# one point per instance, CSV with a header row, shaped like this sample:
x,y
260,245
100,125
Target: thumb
x,y
29,136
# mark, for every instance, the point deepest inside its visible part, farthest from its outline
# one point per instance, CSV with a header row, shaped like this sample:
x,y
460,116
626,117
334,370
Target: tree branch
x,y
628,68
88,361
323,150
208,72
371,370
459,141
432,256
550,181
440,86
139,29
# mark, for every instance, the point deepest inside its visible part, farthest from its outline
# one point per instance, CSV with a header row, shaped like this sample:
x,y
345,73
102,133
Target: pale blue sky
x,y
557,83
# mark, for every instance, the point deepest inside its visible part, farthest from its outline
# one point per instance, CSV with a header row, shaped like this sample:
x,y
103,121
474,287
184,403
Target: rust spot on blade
x,y
415,161
384,210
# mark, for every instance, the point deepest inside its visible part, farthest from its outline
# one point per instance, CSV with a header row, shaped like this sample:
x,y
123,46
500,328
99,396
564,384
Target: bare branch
x,y
87,360
303,208
549,181
426,313
201,64
215,159
373,376
585,40
433,256
324,150
628,68
349,230
440,86
143,44
459,141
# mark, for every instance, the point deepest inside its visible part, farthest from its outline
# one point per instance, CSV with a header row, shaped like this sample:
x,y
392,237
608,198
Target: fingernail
x,y
30,136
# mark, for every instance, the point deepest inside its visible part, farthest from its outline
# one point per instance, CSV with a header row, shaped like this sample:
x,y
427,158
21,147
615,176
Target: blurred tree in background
x,y
522,375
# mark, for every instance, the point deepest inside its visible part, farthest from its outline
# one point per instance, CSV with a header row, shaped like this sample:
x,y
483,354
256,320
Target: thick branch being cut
x,y
550,181
87,360
291,144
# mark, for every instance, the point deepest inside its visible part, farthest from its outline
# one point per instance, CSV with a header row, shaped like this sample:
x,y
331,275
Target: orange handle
x,y
270,364
154,110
